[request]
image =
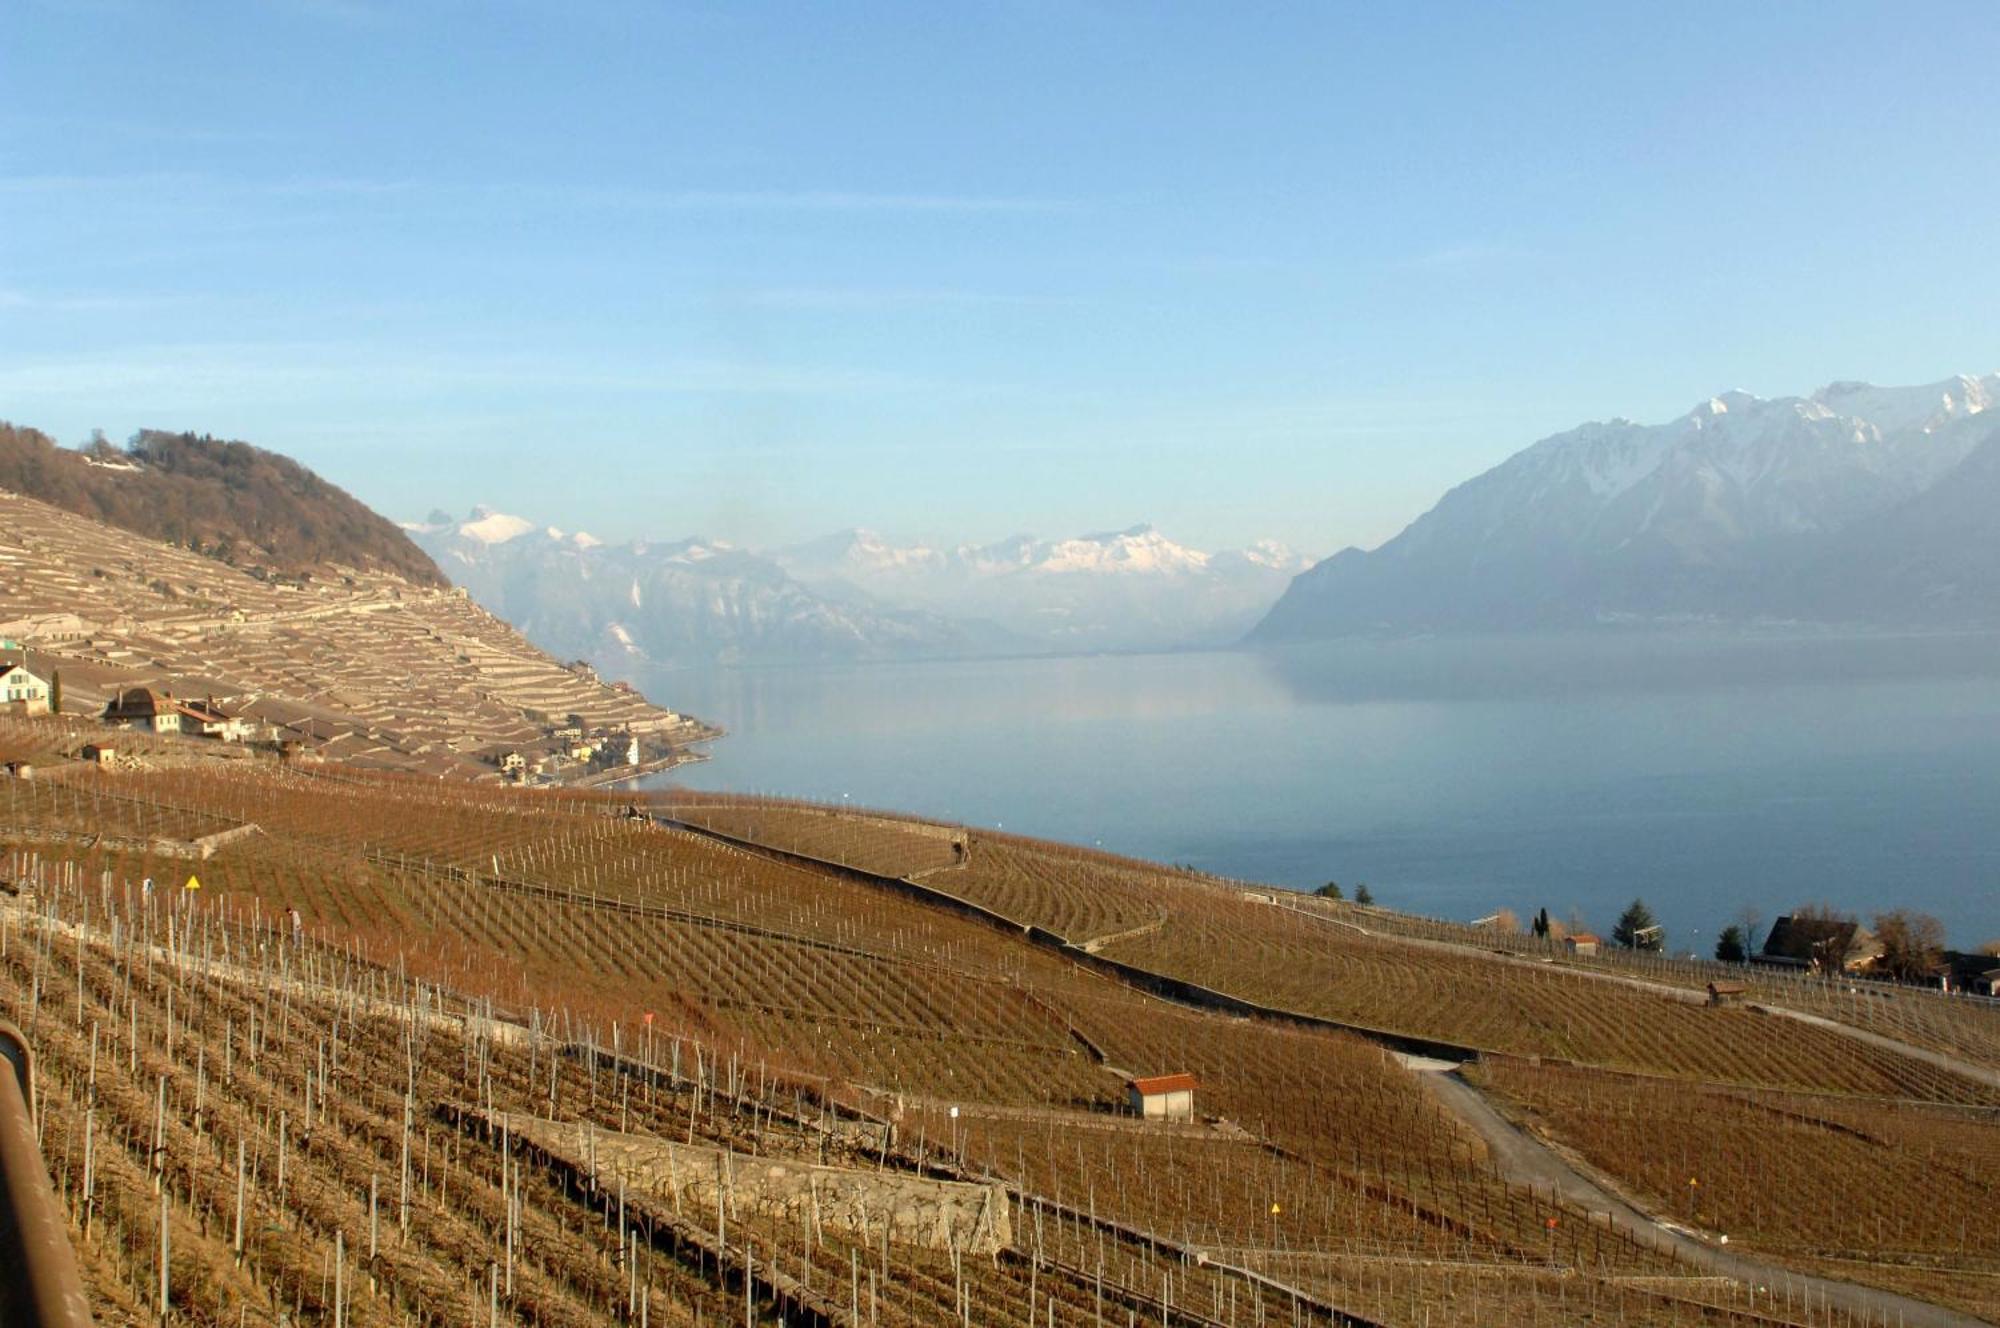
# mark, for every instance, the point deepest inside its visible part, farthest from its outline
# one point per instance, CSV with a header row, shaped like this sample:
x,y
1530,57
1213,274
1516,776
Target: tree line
x,y
235,503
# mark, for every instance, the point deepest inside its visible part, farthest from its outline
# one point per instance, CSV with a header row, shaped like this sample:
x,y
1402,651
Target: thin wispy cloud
x,y
193,375
861,298
69,303
799,200
1476,253
137,130
153,181
678,200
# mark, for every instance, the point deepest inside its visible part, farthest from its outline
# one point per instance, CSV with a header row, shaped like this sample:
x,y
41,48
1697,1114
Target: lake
x,y
1701,772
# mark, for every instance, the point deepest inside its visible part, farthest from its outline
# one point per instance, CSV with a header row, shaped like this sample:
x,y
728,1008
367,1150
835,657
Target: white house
x,y
210,721
22,692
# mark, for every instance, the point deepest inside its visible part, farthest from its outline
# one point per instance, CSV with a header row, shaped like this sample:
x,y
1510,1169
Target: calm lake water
x,y
1453,777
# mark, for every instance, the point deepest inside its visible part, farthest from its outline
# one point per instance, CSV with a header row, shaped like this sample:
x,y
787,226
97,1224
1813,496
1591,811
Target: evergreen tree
x,y
55,692
1637,929
1331,890
1540,926
1730,947
1362,896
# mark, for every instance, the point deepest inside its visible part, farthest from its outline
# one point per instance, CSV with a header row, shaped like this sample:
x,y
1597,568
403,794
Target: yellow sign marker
x,y
194,882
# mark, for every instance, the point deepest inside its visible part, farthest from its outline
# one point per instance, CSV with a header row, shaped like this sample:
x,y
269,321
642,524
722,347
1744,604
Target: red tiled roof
x,y
1148,1085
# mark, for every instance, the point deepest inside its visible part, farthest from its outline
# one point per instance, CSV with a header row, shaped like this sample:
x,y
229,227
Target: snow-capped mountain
x,y
1741,509
626,607
1131,589
851,596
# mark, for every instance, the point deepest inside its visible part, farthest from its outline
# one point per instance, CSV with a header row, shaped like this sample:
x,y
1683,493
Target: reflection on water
x,y
1705,773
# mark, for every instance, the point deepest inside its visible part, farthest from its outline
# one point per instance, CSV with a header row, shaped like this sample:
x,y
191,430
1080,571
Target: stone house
x,y
144,709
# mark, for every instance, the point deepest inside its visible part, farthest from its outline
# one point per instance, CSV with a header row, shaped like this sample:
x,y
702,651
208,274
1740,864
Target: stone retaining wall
x,y
871,1205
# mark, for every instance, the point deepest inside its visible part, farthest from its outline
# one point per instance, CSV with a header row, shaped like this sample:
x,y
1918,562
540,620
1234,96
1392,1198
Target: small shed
x,y
99,753
1582,944
1161,1096
1724,992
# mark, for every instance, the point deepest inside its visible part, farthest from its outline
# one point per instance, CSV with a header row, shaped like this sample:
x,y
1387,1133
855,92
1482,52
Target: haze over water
x,y
1454,777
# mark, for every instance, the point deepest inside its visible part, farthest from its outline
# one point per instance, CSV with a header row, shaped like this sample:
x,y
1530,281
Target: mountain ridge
x,y
1742,509
853,595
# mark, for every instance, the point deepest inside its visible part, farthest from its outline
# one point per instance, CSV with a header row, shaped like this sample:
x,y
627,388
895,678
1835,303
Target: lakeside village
x,y
572,752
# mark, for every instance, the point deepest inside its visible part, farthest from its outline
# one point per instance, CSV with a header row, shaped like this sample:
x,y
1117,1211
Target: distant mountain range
x,y
852,596
1857,505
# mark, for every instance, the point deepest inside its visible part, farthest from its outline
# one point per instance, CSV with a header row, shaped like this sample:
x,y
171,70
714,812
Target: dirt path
x,y
1525,1160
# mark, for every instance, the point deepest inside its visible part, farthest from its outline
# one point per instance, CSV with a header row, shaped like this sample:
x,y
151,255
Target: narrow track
x,y
1525,1160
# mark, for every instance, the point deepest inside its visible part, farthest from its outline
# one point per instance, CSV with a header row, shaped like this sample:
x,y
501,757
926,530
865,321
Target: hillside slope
x,y
233,502
361,665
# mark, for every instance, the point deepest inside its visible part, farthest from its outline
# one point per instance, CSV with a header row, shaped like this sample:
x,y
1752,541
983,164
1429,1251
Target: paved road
x,y
1525,1160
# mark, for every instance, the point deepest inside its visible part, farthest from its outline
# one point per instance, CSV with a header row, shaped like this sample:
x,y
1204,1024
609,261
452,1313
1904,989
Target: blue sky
x,y
960,270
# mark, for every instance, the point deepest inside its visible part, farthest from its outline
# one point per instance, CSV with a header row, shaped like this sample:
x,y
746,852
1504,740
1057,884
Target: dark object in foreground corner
x,y
39,1285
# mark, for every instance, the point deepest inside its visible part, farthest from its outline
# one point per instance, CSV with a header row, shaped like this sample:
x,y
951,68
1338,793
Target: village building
x,y
208,720
143,709
22,692
1582,944
1168,1097
1970,973
1815,944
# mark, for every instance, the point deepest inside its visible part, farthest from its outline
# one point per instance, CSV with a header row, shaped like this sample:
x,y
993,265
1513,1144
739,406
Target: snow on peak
x,y
872,551
1274,555
1909,409
583,539
1137,549
491,527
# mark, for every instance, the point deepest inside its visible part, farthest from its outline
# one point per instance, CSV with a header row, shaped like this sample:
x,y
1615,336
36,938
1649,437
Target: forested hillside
x,y
231,501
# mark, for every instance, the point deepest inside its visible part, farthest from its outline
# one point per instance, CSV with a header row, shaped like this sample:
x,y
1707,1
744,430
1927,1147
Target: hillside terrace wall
x,y
872,1206
196,850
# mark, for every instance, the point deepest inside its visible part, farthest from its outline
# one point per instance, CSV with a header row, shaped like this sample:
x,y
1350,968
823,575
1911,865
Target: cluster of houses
x,y
1806,943
574,744
148,711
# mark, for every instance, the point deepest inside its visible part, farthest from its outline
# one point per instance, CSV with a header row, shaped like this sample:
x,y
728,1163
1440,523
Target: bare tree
x,y
1750,918
1912,944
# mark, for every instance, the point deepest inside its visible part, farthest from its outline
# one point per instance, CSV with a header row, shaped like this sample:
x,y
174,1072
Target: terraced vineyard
x,y
872,842
766,1009
1281,958
1898,1195
1954,1024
